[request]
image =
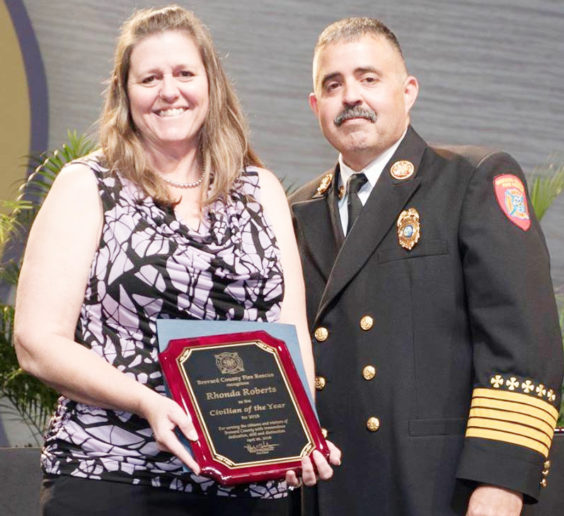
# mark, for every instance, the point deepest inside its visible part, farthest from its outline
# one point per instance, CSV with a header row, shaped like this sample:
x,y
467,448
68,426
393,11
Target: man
x,y
436,340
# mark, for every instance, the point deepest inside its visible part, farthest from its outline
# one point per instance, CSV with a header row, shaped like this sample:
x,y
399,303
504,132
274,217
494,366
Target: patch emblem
x,y
409,229
326,181
512,199
402,170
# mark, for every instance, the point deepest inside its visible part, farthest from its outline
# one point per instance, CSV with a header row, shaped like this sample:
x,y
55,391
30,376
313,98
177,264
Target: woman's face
x,y
168,90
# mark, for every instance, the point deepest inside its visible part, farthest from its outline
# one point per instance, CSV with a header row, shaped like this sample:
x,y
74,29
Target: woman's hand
x,y
164,415
316,467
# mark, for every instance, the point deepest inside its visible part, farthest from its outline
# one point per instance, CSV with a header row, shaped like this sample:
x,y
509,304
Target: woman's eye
x,y
149,79
186,74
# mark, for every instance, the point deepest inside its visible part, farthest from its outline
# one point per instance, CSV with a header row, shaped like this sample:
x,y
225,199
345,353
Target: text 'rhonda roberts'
x,y
238,393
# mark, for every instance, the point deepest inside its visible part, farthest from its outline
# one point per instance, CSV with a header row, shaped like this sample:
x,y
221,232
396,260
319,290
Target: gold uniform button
x,y
320,383
369,372
373,424
324,433
543,482
321,334
545,472
546,464
366,322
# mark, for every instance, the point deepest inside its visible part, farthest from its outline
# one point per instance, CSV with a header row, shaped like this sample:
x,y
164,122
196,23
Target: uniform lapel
x,y
318,221
387,199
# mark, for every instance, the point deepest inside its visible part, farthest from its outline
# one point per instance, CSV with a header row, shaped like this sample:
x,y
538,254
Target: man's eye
x,y
332,86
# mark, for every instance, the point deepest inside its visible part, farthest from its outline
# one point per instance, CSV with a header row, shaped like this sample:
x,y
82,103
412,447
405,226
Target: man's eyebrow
x,y
366,69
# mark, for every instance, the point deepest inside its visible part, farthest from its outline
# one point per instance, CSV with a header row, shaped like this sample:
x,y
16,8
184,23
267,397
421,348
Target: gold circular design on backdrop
x,y
15,112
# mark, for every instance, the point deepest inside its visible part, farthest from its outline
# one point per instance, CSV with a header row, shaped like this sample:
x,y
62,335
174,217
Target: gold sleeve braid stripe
x,y
502,408
513,418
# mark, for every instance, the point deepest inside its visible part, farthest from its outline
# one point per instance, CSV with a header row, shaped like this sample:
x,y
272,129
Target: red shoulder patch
x,y
512,199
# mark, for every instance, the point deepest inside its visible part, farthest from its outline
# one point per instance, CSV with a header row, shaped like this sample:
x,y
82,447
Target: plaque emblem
x,y
409,229
402,170
229,363
325,183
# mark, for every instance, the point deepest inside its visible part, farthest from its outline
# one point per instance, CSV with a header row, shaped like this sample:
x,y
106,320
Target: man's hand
x,y
494,501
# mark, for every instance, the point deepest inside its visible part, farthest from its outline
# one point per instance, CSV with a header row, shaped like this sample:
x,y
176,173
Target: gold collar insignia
x,y
402,170
325,183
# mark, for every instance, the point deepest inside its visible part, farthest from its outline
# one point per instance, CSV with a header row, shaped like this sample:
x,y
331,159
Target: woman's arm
x,y
51,288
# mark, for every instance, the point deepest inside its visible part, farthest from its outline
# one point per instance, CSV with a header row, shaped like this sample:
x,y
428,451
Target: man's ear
x,y
312,99
410,92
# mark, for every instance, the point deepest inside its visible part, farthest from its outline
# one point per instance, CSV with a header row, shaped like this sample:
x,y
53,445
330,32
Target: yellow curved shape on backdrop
x,y
15,109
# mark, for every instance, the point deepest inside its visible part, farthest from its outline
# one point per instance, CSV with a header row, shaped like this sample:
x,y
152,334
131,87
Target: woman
x,y
171,218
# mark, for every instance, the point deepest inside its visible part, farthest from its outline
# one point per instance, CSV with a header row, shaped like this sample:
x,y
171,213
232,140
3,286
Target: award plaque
x,y
247,402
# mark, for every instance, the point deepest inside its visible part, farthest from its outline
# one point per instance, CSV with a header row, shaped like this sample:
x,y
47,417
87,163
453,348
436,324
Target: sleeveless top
x,y
149,265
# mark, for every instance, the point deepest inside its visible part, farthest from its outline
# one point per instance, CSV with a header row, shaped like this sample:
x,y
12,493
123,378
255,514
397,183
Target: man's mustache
x,y
354,112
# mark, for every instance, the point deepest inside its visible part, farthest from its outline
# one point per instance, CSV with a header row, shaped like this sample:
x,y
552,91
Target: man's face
x,y
362,97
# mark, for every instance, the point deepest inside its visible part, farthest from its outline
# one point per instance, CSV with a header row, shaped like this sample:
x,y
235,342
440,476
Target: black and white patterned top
x,y
149,265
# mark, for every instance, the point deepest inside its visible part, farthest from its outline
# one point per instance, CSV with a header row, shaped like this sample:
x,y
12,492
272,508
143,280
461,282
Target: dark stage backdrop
x,y
490,73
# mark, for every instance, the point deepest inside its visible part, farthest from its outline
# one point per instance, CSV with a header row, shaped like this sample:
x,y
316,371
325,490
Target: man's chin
x,y
356,142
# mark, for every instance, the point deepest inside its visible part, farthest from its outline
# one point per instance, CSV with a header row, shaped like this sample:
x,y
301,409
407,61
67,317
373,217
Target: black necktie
x,y
354,205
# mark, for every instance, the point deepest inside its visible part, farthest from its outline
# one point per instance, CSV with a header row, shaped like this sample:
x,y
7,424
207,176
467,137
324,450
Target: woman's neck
x,y
181,164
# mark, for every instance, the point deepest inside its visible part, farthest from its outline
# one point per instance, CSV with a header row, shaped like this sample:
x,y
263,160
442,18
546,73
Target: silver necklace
x,y
176,184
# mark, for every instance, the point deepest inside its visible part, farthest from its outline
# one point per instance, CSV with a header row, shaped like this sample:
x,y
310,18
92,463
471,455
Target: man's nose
x,y
351,94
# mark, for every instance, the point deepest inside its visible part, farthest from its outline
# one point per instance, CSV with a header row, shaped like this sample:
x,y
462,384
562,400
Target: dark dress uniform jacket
x,y
466,317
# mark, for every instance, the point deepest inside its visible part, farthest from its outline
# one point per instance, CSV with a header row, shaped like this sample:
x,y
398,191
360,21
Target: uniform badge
x,y
325,184
341,193
402,170
512,199
409,229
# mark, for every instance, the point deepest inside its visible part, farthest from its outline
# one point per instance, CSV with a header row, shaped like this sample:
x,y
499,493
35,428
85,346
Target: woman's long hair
x,y
223,146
